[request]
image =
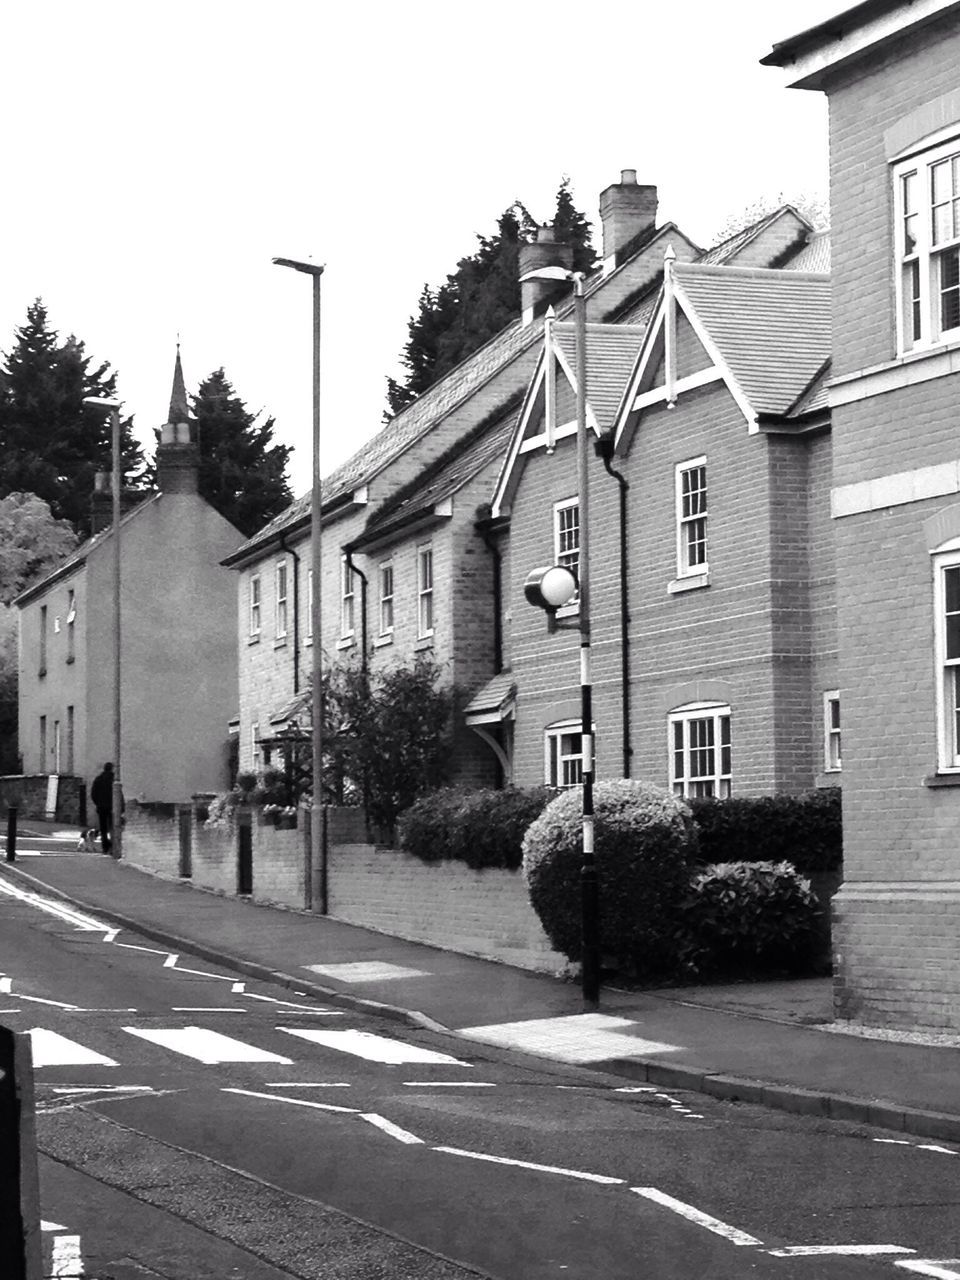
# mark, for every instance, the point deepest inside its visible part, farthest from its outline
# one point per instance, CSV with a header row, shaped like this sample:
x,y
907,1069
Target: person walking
x,y
101,793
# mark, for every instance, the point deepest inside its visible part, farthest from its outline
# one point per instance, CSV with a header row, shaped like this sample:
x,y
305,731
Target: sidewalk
x,y
757,1042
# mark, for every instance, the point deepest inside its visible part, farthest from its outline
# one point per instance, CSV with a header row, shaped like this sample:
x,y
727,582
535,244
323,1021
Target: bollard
x,y
12,834
20,1248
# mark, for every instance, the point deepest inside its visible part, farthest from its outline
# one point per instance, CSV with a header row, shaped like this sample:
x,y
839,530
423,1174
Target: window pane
x,y
953,636
909,191
910,234
950,289
951,589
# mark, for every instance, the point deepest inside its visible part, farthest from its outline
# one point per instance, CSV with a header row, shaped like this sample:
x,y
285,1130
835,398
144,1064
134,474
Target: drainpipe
x,y
348,556
483,529
604,447
285,547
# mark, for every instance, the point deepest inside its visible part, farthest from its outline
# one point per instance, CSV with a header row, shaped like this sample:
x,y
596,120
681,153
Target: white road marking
x,y
171,960
630,1088
103,1088
581,1037
110,935
449,1084
57,1004
932,1146
365,971
67,1259
132,946
846,1250
394,1130
199,1008
295,1102
5,986
936,1268
894,1142
53,1050
209,1047
291,1004
526,1164
199,973
308,1084
733,1234
51,1226
238,986
63,912
364,1044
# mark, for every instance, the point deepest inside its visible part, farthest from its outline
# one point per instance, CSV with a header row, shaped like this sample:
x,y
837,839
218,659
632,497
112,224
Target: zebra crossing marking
x,y
49,1049
208,1047
365,1044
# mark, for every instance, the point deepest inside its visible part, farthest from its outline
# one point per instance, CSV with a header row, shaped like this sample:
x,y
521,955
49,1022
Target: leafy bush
x,y
644,840
270,788
752,916
481,828
806,830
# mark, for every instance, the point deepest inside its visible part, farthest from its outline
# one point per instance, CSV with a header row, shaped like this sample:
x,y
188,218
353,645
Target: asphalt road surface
x,y
198,1126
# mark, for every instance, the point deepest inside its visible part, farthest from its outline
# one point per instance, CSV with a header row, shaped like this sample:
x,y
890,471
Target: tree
x,y
242,472
812,206
32,543
51,444
479,298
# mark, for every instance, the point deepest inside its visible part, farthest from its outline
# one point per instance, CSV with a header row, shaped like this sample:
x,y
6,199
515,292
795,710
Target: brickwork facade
x,y
897,959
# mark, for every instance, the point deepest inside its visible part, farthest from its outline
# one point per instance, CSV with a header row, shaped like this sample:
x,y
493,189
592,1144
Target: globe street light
x,y
316,856
547,588
105,402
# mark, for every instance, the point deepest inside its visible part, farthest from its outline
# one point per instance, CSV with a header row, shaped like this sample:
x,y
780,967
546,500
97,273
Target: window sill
x,y
691,582
942,780
424,642
380,641
280,642
829,778
70,658
41,673
253,639
307,642
346,642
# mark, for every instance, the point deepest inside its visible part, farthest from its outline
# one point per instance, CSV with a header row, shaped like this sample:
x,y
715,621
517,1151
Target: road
x,y
194,1124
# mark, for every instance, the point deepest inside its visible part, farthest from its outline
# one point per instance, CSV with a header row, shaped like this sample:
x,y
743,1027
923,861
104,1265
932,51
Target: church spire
x,y
178,396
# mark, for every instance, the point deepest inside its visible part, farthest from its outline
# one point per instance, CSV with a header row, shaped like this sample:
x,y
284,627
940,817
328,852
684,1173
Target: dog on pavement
x,y
88,840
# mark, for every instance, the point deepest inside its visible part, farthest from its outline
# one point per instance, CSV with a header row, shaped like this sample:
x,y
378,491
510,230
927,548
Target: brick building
x,y
889,70
712,610
405,570
178,652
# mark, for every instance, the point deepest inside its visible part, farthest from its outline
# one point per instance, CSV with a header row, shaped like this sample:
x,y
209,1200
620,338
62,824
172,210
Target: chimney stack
x,y
627,209
178,457
545,251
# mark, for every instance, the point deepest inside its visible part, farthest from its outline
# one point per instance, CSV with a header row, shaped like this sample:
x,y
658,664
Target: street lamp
x,y
105,402
547,587
316,856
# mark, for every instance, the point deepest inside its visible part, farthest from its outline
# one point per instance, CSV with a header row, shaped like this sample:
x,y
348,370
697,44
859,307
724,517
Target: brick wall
x,y
485,913
28,794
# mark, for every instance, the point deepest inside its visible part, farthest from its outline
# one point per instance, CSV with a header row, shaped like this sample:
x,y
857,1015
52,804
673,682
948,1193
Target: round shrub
x,y
426,828
644,839
754,916
806,829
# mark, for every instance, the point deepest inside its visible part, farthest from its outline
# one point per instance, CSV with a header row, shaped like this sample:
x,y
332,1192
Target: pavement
x,y
770,1043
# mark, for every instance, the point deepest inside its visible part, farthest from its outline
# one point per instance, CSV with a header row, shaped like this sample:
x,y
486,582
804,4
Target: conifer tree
x,y
242,472
479,298
52,444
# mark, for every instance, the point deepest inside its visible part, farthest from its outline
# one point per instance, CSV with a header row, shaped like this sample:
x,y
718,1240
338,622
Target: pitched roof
x,y
814,256
611,355
729,248
442,479
79,555
771,326
493,698
816,397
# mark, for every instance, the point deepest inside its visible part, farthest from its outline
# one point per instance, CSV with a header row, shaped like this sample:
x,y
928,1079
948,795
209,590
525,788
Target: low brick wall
x,y
28,793
483,913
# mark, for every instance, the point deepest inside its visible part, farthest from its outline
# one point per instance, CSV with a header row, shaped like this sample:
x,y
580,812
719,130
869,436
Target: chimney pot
x,y
628,177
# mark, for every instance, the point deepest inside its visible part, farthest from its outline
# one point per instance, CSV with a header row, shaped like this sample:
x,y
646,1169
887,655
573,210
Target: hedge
x,y
805,830
482,828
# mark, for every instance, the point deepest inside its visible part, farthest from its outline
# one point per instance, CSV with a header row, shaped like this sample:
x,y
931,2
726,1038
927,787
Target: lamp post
x,y
589,886
318,846
103,402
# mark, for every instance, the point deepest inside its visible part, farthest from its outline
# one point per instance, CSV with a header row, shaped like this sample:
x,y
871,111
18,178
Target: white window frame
x,y
564,532
255,600
947,668
255,749
559,760
918,266
71,624
43,640
386,580
348,593
832,745
425,615
71,738
686,519
716,781
309,628
280,611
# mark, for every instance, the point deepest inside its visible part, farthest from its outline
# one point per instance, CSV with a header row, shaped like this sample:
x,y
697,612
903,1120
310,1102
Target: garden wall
x,y
485,913
27,792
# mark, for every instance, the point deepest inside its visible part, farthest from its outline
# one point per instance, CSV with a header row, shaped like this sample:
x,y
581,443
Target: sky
x,y
157,157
